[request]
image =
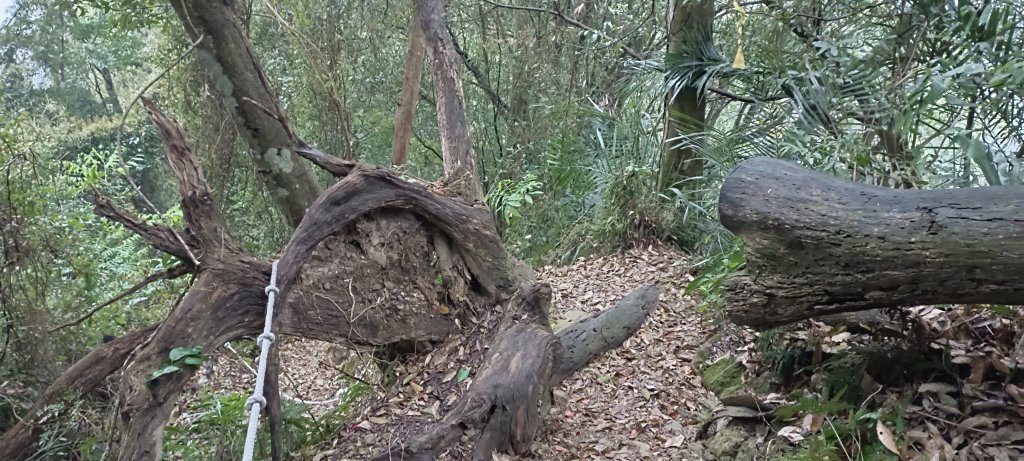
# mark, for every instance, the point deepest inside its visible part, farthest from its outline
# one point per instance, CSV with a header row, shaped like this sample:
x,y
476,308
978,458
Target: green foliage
x,y
708,286
569,137
219,419
190,357
125,15
632,211
215,424
508,197
462,375
847,433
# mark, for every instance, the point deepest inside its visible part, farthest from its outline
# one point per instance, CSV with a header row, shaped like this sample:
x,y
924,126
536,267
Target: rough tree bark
x,y
452,123
342,273
236,75
410,92
590,337
84,375
819,245
690,28
502,404
351,293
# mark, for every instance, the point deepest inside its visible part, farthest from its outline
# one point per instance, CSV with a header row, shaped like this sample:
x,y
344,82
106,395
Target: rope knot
x,y
271,289
265,337
255,399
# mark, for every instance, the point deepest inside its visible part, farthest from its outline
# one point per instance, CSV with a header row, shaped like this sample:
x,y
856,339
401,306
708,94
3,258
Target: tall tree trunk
x,y
108,83
236,74
452,123
690,28
410,92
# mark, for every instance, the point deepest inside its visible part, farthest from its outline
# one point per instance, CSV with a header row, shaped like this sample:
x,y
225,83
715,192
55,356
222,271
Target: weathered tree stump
x,y
818,245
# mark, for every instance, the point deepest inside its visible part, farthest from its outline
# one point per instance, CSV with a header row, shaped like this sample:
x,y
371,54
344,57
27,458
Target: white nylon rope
x,y
264,341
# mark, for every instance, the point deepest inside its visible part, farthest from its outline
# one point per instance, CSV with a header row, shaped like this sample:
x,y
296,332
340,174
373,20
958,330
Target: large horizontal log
x,y
818,245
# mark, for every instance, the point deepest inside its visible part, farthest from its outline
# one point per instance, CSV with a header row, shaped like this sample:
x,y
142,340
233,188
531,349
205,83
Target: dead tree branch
x,y
169,274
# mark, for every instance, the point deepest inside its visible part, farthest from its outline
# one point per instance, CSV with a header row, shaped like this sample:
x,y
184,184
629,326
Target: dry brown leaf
x,y
792,434
812,423
885,436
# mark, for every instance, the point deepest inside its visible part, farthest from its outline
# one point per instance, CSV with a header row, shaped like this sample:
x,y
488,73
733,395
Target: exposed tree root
x,y
512,393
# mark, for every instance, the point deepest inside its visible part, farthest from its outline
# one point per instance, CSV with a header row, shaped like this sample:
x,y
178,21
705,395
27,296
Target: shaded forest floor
x,y
639,402
945,380
642,401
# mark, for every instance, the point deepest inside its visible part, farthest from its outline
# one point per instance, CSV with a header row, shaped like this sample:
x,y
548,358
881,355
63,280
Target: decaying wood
x,y
507,400
357,271
590,337
818,245
339,168
353,294
511,394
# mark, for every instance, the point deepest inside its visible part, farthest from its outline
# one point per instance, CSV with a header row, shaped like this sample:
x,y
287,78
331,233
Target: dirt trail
x,y
641,401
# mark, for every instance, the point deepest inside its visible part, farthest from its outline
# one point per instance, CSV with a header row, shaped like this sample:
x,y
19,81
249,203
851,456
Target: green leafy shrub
x,y
709,283
508,197
179,357
214,425
847,433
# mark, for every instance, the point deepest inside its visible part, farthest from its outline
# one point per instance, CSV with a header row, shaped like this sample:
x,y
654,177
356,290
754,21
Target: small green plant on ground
x,y
844,432
709,284
214,426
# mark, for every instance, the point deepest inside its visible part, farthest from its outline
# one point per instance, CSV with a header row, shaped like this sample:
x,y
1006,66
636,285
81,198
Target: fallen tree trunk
x,y
504,405
512,393
352,273
525,361
819,245
84,375
590,337
356,271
